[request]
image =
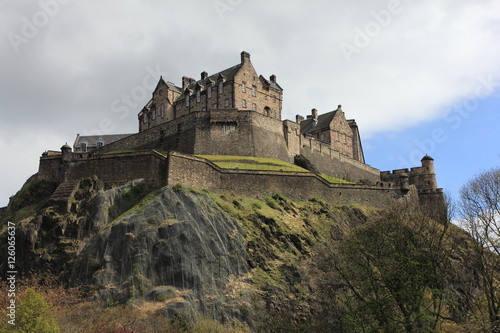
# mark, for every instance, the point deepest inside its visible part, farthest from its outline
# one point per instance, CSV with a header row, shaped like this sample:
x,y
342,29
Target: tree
x,y
480,210
34,314
390,273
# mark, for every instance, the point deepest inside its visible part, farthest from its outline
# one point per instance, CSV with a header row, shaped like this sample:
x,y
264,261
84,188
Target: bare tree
x,y
480,209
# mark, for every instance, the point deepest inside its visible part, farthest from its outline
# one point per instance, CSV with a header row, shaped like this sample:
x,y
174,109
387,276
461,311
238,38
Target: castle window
x,y
162,112
338,136
322,137
254,91
145,118
187,100
243,87
226,102
221,88
345,138
214,106
267,111
198,96
244,103
153,115
209,92
254,107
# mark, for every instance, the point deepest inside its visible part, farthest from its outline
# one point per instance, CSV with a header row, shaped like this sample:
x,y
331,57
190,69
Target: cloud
x,y
416,65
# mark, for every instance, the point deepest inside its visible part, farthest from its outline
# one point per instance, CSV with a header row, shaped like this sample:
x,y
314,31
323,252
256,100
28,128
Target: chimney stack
x,y
186,81
245,56
314,114
204,75
273,78
298,118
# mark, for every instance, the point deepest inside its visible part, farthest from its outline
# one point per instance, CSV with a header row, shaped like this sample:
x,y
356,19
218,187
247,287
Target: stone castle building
x,y
237,112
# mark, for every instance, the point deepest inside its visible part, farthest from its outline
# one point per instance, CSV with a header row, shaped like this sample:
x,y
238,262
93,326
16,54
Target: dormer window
x,y
209,92
83,147
221,87
99,144
198,96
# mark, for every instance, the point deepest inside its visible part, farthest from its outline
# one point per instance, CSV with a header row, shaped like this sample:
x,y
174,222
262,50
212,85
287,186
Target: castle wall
x,y
51,168
199,173
113,169
291,132
119,168
333,163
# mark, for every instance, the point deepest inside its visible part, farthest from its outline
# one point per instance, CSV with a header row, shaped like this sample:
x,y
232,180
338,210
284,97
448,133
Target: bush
x,y
34,314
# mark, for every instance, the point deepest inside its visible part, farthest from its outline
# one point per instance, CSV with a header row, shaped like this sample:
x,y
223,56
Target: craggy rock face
x,y
174,245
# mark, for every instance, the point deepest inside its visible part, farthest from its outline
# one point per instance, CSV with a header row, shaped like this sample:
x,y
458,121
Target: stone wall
x,y
199,173
333,163
114,169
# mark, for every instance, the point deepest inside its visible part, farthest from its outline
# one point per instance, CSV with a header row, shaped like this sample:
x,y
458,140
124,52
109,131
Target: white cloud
x,y
65,79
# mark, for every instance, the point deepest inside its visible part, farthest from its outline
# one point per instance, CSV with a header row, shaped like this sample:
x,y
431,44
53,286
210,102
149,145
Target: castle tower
x,y
429,176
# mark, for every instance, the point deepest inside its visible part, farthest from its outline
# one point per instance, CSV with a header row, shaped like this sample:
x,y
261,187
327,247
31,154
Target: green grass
x,y
127,151
251,163
334,180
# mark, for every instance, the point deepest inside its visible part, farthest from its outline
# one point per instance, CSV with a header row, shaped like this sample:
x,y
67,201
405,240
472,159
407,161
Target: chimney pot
x,y
204,75
273,78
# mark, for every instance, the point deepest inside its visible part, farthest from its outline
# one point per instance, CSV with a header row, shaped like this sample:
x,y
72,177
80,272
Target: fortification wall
x,y
333,163
199,173
112,169
51,168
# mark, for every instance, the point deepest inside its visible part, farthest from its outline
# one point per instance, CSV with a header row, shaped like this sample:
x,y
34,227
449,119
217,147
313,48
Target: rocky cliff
x,y
192,253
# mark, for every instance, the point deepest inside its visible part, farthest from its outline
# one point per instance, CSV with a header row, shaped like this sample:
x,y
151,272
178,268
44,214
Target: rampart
x,y
113,169
334,163
200,173
191,171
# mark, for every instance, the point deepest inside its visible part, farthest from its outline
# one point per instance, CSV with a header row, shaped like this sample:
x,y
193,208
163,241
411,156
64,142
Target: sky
x,y
419,77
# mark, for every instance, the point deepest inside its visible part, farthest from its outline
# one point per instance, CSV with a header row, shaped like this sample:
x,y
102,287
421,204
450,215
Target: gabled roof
x,y
228,75
92,140
271,83
323,123
169,84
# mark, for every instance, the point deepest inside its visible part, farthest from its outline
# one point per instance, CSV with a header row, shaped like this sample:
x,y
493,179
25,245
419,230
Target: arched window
x,y
267,111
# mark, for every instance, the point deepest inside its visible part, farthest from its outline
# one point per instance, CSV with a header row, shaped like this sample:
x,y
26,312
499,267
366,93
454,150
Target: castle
x,y
237,112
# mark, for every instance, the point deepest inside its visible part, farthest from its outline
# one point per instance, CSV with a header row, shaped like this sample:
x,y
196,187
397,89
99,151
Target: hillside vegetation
x,y
177,259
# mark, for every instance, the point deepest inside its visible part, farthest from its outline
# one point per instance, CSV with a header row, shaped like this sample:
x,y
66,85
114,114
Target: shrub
x,y
34,314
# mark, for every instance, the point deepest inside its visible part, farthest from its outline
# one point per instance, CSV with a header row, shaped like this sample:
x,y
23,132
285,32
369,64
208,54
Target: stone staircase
x,y
63,195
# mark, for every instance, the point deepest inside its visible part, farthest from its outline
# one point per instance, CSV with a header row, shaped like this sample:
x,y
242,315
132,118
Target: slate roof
x,y
308,126
93,139
228,75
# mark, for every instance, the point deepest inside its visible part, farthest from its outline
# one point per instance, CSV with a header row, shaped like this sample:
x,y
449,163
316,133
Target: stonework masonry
x,y
238,112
